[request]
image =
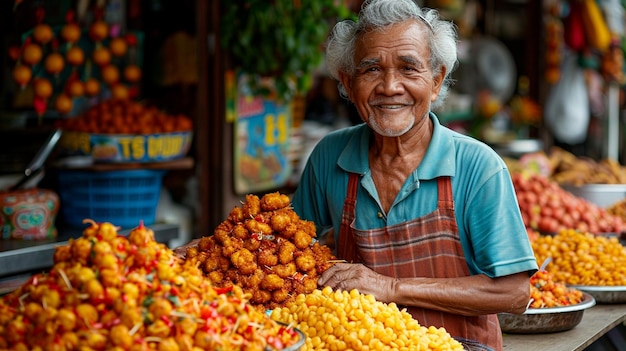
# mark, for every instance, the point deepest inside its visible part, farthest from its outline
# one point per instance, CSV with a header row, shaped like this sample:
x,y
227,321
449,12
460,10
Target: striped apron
x,y
429,246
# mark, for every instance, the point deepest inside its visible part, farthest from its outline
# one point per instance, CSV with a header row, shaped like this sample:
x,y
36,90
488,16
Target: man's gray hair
x,y
377,14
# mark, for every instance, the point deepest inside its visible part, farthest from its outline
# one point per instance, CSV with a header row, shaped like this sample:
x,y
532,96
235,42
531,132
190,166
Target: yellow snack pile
x,y
342,320
583,258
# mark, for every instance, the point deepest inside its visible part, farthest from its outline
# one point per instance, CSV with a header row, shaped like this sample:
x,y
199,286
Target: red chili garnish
x,y
224,290
167,321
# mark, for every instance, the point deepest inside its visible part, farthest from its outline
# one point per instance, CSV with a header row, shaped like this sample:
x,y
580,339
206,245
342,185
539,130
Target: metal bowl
x,y
604,294
545,320
603,195
517,148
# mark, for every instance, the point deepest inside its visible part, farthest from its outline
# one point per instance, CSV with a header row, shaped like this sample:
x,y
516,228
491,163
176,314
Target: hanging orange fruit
x,y
98,30
75,56
42,88
70,32
32,53
120,91
101,56
42,33
118,46
110,74
132,73
63,103
54,63
75,88
22,75
92,87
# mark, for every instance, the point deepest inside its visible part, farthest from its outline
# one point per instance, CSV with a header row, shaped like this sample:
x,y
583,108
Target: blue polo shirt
x,y
492,232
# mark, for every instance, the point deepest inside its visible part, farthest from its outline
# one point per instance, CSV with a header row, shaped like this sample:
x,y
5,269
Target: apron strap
x,y
345,247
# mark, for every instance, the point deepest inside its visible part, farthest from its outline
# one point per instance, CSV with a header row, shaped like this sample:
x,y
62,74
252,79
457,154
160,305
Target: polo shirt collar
x,y
438,161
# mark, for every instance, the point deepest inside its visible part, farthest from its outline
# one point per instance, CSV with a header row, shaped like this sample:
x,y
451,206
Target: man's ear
x,y
437,84
346,80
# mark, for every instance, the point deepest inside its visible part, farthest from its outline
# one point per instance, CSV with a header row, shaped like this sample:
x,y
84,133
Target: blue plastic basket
x,y
123,198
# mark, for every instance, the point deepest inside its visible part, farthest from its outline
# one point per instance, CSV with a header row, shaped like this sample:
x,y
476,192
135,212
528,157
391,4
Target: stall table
x,y
596,323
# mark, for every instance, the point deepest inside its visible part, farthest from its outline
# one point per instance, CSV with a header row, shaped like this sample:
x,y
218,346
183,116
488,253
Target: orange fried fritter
x,y
61,253
285,270
251,206
253,280
261,296
252,244
267,258
274,201
216,277
272,282
240,232
309,284
235,215
285,251
306,261
244,261
280,295
206,243
257,227
323,255
308,227
231,245
302,239
280,220
211,263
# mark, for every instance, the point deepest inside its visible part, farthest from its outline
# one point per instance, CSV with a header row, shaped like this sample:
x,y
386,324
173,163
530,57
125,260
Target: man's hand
x,y
348,276
181,251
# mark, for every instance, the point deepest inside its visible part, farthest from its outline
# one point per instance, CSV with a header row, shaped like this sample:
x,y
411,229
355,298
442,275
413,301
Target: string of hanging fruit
x,y
64,64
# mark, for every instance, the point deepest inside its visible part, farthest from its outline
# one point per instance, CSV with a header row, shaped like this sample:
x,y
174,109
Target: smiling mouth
x,y
390,107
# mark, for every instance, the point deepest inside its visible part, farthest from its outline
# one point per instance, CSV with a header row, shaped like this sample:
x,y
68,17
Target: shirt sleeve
x,y
496,233
309,199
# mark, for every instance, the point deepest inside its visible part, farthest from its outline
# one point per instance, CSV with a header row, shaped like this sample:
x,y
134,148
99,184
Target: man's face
x,y
393,85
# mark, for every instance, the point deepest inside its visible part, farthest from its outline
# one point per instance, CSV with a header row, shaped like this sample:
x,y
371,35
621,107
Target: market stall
x,y
560,195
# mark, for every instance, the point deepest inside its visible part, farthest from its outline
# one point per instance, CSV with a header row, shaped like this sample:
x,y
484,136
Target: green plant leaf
x,y
279,39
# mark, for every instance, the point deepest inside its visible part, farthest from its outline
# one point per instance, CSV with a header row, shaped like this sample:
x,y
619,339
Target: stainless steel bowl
x,y
604,294
517,148
603,195
545,320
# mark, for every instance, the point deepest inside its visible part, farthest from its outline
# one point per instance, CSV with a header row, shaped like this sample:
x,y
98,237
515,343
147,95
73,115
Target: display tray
x,y
604,294
546,320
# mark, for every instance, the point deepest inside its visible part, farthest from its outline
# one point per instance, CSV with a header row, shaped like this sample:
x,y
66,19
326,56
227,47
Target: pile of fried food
x,y
267,249
111,292
566,168
547,293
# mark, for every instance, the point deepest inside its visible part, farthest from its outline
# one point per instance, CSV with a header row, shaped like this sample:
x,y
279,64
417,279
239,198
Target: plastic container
x,y
28,214
123,198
